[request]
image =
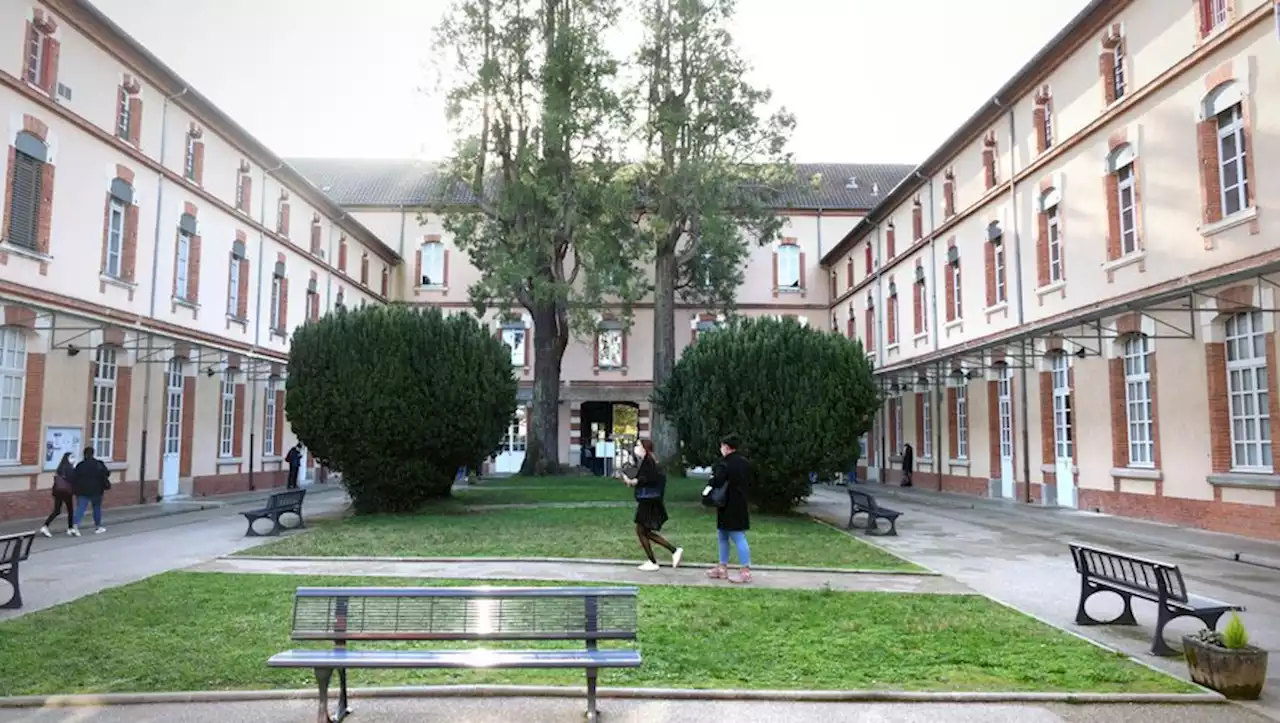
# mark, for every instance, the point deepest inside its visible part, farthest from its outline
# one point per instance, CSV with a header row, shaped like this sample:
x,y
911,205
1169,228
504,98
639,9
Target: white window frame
x,y
115,239
926,425
1053,222
190,169
601,345
962,422
891,330
13,384
233,288
126,118
1126,187
1217,14
1248,392
432,265
515,337
227,420
1060,376
275,302
922,301
1002,291
1137,401
35,56
1233,185
1004,408
1119,84
269,416
789,271
102,425
183,274
1048,124
174,388
956,292
240,205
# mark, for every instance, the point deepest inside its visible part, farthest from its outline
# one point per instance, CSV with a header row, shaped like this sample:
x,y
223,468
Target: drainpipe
x,y
1021,305
404,219
878,262
155,270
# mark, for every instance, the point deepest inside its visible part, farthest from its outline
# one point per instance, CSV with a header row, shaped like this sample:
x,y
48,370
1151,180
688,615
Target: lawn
x,y
212,631
514,490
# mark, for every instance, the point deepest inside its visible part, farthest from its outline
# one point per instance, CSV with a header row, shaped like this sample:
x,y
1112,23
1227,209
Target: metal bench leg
x,y
850,525
873,526
11,576
893,527
593,715
252,532
1082,615
323,675
344,709
1158,645
1210,620
1126,616
301,523
276,527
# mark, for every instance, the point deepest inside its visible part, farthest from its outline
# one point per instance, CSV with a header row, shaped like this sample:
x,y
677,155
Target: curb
x,y
519,691
570,560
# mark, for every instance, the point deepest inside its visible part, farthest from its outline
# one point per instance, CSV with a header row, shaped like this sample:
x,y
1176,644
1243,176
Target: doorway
x,y
609,431
511,457
1063,467
1004,404
171,463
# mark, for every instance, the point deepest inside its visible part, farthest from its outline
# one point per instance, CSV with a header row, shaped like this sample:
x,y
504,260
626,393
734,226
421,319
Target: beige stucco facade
x,y
1095,234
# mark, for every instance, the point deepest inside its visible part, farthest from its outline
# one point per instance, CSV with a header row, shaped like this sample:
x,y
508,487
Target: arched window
x,y
1137,400
432,264
1224,114
789,271
1050,244
1122,200
103,405
1248,392
26,187
121,230
13,383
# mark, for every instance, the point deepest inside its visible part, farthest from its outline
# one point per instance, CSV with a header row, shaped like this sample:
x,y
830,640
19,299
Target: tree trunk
x,y
542,453
666,440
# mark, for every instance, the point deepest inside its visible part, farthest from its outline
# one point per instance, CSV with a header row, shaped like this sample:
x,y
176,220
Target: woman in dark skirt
x,y
651,514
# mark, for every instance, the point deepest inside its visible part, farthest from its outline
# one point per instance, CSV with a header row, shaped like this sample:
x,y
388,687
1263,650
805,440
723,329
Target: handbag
x,y
61,486
715,496
648,493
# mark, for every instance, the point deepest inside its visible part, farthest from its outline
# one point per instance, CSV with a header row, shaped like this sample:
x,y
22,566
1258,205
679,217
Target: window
x,y
282,216
1232,173
1137,401
922,308
13,384
173,407
195,149
513,335
233,287
269,419
891,319
1061,377
183,272
962,421
35,56
926,425
275,302
244,189
115,238
1004,405
124,115
26,186
1047,125
1042,119
609,348
227,417
102,429
432,264
956,304
1117,72
1128,216
1001,290
1054,239
788,267
1213,15
949,193
41,53
1248,392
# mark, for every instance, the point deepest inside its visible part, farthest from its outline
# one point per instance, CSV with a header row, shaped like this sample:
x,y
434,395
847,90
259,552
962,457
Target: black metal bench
x,y
864,503
344,615
277,504
1129,576
14,550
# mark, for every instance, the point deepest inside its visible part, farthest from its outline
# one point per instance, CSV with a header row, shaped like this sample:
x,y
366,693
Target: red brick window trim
x,y
1134,398
920,303
788,268
1214,16
316,240
953,288
851,325
848,273
990,174
1050,265
1042,119
244,189
869,333
891,316
282,214
432,264
385,286
610,347
869,258
120,231
1113,65
917,219
28,199
40,52
949,193
364,269
514,333
193,168
129,111
1226,150
186,260
1123,202
890,240
834,284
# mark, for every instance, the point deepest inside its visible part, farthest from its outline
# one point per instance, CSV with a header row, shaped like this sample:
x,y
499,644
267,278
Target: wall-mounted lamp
x,y
1082,353
72,350
209,372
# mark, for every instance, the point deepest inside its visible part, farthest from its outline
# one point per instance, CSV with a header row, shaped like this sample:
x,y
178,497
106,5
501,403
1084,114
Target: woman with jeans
x,y
62,496
734,519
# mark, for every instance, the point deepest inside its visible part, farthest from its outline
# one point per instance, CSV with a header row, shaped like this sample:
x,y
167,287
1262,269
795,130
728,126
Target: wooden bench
x,y
864,503
1130,576
344,615
14,550
277,504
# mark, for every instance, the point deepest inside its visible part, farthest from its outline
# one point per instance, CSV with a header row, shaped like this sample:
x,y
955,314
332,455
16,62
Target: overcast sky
x,y
869,80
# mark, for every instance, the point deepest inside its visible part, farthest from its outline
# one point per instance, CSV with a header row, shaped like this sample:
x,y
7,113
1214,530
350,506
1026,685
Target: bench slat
x,y
340,658
16,547
466,592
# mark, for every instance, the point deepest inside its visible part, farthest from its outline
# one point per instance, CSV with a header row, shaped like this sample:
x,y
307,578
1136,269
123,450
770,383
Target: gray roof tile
x,y
395,182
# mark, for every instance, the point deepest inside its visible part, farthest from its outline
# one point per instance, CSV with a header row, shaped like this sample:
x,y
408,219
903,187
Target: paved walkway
x,y
584,572
64,569
559,710
1019,555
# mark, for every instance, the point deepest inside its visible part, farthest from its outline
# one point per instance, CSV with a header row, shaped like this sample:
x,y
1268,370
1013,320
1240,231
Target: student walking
x,y
294,459
62,495
89,481
733,518
650,485
908,464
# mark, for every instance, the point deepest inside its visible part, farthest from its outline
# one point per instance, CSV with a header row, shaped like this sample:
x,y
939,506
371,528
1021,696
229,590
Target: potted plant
x,y
1226,662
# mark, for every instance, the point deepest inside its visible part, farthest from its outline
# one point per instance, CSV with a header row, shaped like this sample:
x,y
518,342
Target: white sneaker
x,y
99,530
45,531
676,556
73,532
648,566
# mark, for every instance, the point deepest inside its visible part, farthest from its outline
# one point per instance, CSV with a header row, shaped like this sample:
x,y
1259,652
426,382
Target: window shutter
x,y
135,121
193,270
284,220
242,297
802,280
284,304
49,68
891,241
342,256
237,436
129,245
246,193
364,269
1106,71
24,200
1042,248
386,282
1210,180
917,222
279,420
1112,186
775,272
315,238
417,267
198,163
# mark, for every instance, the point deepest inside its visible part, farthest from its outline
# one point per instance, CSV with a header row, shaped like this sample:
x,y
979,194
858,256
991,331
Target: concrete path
x,y
560,710
64,569
1019,555
584,572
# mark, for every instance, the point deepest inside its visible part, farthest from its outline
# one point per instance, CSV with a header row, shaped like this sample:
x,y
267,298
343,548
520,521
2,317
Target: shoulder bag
x,y
716,497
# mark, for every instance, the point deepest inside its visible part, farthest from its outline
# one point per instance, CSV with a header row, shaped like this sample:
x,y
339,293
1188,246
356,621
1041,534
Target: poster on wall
x,y
59,441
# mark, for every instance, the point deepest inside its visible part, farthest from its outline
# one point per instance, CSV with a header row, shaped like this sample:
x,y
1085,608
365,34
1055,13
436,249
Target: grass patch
x,y
600,533
212,631
569,489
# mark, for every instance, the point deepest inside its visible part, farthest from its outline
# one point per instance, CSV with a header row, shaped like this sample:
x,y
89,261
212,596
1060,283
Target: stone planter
x,y
1238,674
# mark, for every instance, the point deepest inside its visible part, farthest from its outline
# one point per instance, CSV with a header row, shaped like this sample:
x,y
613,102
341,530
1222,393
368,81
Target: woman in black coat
x,y
908,464
734,518
650,484
62,495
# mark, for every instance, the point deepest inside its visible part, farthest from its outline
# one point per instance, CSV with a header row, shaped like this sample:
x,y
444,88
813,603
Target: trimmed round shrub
x,y
798,398
398,399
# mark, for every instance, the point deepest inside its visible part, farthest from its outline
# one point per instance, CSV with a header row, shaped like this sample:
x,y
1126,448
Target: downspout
x,y
257,323
155,271
877,263
1021,305
404,219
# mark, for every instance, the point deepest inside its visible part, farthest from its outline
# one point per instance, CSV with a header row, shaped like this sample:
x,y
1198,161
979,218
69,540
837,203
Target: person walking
x,y
90,480
908,464
62,495
294,458
650,485
733,472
